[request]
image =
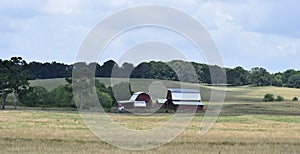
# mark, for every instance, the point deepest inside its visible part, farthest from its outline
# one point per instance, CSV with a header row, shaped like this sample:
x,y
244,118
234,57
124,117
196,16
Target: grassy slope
x,y
243,94
49,84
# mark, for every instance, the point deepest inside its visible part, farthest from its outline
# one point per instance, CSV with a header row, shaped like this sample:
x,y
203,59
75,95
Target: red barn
x,y
142,96
185,99
139,100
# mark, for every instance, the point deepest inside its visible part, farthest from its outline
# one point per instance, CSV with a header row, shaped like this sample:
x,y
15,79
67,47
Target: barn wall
x,y
144,97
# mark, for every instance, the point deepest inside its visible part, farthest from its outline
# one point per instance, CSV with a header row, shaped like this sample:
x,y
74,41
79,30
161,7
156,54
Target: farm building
x,y
139,100
185,99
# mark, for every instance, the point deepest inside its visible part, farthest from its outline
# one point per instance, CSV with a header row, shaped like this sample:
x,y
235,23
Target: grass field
x,y
245,125
235,95
30,131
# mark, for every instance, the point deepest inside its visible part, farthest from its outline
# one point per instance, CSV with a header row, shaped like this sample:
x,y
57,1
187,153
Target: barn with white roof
x,y
183,99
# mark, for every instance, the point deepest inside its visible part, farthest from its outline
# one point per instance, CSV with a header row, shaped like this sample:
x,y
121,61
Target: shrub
x,y
61,96
33,96
104,99
295,99
268,98
279,99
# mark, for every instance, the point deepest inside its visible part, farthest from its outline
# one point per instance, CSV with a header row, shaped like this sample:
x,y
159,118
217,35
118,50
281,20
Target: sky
x,y
248,33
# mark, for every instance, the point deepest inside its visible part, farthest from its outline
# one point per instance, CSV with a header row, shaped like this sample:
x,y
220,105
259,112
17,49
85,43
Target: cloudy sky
x,y
251,33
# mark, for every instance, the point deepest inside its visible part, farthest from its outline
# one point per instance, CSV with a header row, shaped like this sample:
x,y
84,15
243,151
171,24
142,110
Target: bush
x,y
104,99
295,99
33,96
279,99
61,96
268,98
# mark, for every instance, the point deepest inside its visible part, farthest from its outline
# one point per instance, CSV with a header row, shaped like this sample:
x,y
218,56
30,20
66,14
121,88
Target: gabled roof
x,y
185,94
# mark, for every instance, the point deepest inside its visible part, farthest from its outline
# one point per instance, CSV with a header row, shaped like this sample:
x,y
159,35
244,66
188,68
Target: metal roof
x,y
136,94
122,102
161,101
185,94
176,90
187,103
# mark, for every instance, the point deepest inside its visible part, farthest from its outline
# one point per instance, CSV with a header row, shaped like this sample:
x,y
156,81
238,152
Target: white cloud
x,y
248,33
61,7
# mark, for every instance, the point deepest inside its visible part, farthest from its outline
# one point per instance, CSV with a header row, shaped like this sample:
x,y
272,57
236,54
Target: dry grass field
x,y
245,125
36,131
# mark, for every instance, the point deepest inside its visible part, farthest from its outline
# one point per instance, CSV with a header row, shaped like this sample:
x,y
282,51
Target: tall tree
x,y
294,81
237,76
205,74
277,80
82,82
4,81
260,77
107,67
18,78
287,74
126,70
141,70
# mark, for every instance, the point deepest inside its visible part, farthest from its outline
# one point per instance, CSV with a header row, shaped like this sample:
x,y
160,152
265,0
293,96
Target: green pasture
x,y
234,95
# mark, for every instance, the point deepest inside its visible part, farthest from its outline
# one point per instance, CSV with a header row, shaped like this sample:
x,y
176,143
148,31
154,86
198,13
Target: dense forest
x,y
16,73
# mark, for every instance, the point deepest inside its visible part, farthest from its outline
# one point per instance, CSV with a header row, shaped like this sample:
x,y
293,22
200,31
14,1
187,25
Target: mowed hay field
x,y
30,131
245,125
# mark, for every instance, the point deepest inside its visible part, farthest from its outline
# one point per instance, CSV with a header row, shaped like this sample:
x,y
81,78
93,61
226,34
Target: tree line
x,y
63,96
15,76
174,70
16,72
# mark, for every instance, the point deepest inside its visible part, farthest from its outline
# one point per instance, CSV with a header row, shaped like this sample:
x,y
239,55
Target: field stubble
x,y
64,132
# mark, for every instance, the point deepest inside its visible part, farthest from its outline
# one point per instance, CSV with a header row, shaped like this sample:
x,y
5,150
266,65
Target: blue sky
x,y
249,33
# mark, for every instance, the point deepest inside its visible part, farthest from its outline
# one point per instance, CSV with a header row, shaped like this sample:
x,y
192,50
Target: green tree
x,y
107,67
127,69
18,78
61,96
294,81
205,74
277,80
47,70
183,71
4,81
104,99
260,77
141,71
237,76
100,86
82,83
33,96
287,74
